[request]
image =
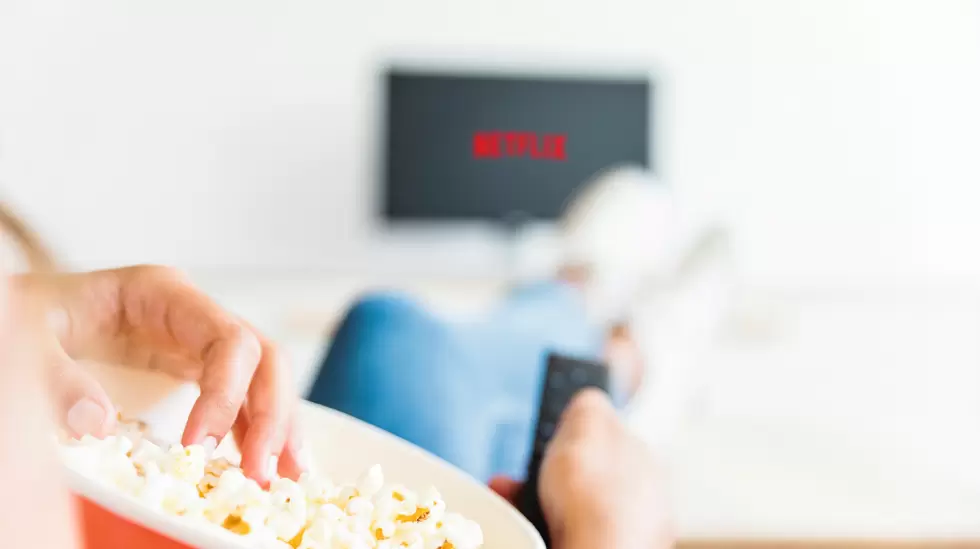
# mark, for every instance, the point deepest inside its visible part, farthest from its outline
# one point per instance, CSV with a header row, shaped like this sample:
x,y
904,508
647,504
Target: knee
x,y
382,307
382,332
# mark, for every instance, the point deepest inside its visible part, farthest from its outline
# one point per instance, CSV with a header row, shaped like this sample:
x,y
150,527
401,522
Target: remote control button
x,y
556,382
556,407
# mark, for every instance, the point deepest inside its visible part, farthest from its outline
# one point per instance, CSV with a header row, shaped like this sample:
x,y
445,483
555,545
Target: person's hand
x,y
599,485
152,317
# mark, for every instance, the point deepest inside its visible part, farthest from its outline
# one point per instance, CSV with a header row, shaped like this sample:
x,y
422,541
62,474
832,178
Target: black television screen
x,y
490,148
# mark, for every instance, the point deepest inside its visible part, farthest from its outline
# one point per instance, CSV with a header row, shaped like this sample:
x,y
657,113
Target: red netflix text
x,y
507,144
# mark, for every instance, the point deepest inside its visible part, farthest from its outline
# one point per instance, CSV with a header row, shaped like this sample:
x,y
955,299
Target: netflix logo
x,y
510,144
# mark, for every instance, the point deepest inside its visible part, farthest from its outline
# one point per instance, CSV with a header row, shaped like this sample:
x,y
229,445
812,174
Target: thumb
x,y
81,404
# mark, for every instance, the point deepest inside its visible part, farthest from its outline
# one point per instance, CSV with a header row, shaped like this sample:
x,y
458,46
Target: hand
x,y
598,485
152,317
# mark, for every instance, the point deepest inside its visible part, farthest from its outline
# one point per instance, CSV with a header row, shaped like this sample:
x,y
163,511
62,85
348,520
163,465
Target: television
x,y
503,147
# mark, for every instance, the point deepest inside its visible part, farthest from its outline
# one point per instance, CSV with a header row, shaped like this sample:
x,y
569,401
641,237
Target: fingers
x,y
81,403
229,363
589,411
271,429
240,428
586,431
293,461
244,379
590,401
257,449
165,324
505,487
264,418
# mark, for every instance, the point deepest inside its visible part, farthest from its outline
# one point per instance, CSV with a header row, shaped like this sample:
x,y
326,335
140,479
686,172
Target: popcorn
x,y
288,496
233,492
360,507
329,512
410,540
462,533
248,521
277,544
318,534
182,500
212,473
133,429
187,464
107,459
345,494
318,490
313,513
370,482
145,453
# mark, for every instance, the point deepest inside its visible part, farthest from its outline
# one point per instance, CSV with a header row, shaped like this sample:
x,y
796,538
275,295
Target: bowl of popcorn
x,y
367,490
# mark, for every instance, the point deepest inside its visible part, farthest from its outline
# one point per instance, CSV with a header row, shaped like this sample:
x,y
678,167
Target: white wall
x,y
839,137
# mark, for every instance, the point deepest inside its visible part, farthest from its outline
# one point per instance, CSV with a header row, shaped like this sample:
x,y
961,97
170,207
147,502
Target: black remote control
x,y
565,377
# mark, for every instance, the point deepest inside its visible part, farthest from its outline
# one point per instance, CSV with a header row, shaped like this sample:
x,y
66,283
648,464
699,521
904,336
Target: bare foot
x,y
575,275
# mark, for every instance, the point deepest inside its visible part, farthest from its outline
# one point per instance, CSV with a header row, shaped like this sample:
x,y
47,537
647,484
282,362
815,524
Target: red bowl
x,y
103,529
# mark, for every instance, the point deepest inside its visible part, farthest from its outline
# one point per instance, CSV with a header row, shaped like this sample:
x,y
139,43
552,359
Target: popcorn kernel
x,y
298,538
420,514
235,525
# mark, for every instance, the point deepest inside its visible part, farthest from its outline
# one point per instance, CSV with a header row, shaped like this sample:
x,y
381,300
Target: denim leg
x,y
467,392
396,366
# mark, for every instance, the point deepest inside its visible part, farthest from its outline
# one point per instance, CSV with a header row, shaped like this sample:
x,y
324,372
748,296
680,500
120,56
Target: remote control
x,y
565,377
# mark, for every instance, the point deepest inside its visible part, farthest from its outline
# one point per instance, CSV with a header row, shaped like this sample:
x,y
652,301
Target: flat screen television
x,y
497,147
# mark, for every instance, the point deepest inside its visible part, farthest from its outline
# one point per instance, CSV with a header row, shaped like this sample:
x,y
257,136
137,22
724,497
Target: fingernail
x,y
86,417
302,453
272,466
210,444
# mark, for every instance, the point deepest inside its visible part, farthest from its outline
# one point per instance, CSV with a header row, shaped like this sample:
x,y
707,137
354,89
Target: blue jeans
x,y
466,391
